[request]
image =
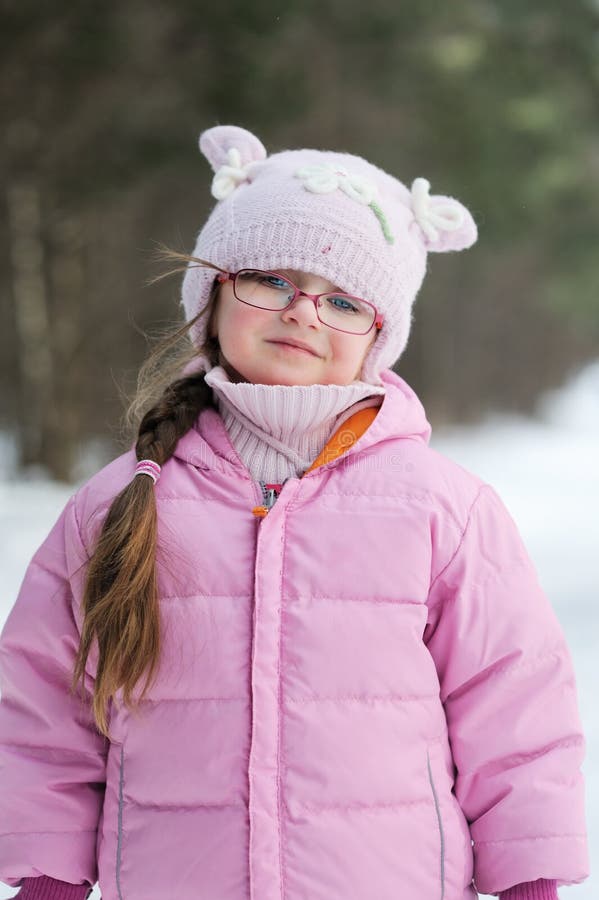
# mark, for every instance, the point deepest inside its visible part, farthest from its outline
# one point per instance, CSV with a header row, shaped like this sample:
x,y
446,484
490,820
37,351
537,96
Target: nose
x,y
302,311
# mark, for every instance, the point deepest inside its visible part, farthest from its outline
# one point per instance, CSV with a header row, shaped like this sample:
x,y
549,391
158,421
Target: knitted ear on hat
x,y
445,223
233,153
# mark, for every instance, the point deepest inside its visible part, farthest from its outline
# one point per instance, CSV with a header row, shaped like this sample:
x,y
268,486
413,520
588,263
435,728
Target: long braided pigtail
x,y
120,599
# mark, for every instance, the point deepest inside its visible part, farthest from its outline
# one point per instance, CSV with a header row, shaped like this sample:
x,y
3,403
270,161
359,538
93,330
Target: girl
x,y
355,688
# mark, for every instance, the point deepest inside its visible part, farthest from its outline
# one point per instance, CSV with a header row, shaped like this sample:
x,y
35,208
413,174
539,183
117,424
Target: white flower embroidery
x,y
230,175
431,218
324,179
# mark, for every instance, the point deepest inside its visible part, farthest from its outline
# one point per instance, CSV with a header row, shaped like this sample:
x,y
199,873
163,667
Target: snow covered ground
x,y
546,469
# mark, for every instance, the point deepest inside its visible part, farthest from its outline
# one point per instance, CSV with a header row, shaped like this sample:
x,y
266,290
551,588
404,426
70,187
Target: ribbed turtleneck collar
x,y
278,430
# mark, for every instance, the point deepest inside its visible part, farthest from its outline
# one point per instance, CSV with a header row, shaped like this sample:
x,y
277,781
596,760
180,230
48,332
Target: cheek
x,y
352,350
369,342
239,324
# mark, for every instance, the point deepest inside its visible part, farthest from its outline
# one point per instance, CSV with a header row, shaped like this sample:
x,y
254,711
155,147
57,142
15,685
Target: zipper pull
x,y
269,494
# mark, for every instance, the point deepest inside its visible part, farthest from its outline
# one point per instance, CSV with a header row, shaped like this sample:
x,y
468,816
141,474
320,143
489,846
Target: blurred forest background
x,y
496,102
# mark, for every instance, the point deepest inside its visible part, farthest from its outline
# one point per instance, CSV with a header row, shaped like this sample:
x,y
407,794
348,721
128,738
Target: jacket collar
x,y
207,444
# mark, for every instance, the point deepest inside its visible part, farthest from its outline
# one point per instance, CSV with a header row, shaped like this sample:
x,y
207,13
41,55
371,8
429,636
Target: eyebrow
x,y
299,276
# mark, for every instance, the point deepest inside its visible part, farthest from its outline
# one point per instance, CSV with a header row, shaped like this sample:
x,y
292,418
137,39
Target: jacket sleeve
x,y
52,758
509,693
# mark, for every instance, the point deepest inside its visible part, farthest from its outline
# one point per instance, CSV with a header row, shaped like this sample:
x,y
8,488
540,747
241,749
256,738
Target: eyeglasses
x,y
269,290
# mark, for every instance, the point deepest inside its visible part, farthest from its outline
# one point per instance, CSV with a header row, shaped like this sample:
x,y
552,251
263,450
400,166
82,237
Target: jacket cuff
x,y
46,888
542,889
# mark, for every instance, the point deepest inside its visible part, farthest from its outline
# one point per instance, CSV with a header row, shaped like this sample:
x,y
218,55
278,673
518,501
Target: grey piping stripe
x,y
442,836
120,835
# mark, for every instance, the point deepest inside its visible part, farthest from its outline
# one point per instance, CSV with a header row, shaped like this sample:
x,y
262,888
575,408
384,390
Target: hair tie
x,y
148,467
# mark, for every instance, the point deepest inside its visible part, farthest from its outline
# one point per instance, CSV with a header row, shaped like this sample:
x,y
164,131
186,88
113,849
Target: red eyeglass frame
x,y
231,276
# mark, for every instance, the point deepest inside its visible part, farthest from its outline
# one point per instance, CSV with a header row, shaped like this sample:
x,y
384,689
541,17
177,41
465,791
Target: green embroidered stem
x,y
381,217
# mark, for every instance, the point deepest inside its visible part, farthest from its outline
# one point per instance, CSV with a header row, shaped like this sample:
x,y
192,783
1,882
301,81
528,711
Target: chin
x,y
289,380
282,379
278,375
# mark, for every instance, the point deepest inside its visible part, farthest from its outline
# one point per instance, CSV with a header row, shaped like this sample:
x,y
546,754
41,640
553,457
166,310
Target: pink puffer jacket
x,y
363,694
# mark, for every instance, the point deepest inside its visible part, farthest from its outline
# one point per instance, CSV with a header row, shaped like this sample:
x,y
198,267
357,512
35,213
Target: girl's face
x,y
250,339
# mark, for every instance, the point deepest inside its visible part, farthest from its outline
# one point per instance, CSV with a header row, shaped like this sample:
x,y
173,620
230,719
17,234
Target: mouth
x,y
295,347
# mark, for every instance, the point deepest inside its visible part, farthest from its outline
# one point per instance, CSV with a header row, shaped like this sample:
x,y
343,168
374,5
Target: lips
x,y
297,345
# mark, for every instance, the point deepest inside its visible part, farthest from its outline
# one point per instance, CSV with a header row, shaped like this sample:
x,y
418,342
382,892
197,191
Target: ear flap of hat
x,y
215,143
445,223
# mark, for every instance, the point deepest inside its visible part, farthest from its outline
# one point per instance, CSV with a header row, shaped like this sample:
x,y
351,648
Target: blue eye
x,y
348,307
273,281
263,278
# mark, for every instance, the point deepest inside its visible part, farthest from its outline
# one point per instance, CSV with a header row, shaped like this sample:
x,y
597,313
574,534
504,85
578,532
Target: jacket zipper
x,y
268,496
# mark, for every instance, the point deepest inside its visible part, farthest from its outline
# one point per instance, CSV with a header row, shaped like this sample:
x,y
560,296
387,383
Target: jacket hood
x,y
207,445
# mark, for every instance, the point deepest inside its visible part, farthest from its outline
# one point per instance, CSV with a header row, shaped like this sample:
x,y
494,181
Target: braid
x,y
120,597
172,417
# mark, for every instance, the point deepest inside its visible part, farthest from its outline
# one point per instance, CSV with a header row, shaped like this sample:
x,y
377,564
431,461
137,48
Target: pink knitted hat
x,y
327,213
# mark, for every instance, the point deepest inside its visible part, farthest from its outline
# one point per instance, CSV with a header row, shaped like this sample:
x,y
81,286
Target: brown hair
x,y
120,595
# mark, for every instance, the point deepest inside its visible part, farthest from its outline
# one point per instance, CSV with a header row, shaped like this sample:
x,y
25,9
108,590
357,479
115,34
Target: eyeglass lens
x,y
268,291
